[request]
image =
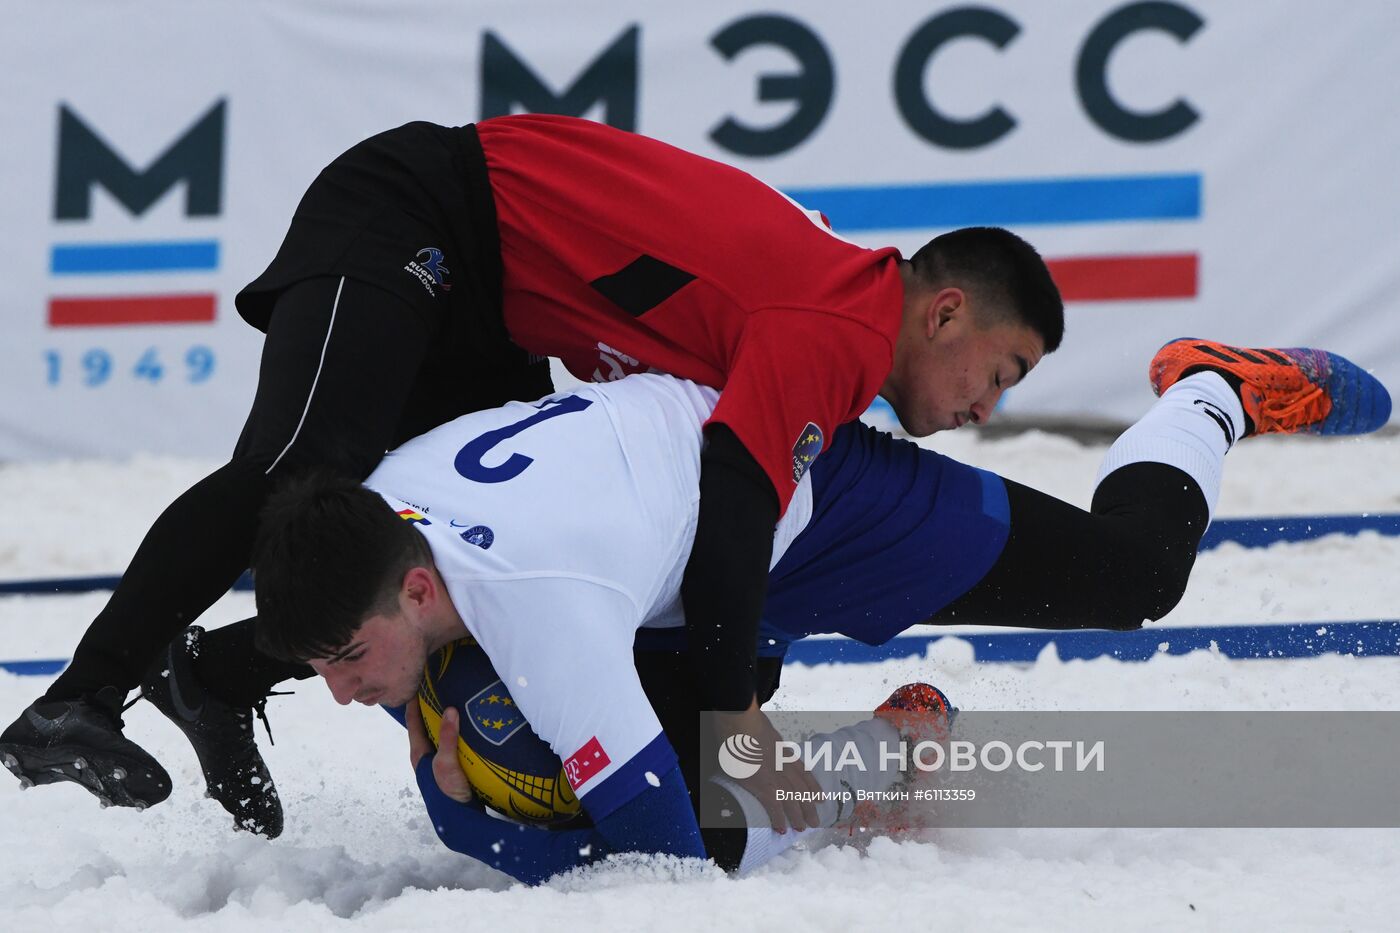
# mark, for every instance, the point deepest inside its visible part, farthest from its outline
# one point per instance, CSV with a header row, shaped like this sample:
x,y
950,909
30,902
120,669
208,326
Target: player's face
x,y
382,663
952,370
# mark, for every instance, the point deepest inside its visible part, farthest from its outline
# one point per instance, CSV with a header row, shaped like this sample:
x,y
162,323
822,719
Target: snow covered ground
x,y
358,853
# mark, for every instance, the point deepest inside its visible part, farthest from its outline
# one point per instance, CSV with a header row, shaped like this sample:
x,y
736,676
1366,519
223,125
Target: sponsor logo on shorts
x,y
809,444
583,764
427,267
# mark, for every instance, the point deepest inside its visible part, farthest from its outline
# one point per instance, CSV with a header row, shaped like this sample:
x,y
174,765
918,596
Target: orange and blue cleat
x,y
1283,391
919,711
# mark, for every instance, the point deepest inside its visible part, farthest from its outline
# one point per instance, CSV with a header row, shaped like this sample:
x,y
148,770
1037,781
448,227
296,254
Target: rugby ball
x,y
510,768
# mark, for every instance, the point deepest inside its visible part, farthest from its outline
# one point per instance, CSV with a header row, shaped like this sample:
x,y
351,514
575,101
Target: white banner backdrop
x,y
1204,168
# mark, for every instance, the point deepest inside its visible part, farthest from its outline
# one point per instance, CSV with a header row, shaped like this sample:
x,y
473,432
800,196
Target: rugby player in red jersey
x,y
428,272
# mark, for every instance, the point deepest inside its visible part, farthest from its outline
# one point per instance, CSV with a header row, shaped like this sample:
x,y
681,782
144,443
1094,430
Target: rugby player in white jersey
x,y
551,532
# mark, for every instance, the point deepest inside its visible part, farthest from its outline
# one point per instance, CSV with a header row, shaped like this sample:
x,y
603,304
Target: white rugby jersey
x,y
560,527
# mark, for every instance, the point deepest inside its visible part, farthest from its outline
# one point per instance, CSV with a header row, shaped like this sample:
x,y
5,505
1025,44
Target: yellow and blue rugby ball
x,y
510,768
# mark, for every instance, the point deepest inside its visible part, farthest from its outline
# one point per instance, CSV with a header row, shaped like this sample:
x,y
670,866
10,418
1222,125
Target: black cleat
x,y
222,735
81,741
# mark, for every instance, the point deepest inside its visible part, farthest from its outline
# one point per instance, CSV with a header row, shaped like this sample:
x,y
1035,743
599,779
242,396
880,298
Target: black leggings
x,y
1123,562
348,371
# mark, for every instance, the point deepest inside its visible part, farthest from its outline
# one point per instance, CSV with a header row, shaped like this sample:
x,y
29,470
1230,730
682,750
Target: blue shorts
x,y
897,533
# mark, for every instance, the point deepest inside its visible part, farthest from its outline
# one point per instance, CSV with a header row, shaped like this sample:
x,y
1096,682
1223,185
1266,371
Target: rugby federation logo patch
x,y
809,444
428,269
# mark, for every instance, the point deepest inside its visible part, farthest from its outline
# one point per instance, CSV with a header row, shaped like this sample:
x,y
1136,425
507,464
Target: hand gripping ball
x,y
510,768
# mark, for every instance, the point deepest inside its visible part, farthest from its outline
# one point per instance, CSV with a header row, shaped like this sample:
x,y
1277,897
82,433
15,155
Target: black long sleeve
x,y
726,578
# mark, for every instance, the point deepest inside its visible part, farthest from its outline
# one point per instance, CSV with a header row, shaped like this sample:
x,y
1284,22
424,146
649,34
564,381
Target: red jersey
x,y
622,254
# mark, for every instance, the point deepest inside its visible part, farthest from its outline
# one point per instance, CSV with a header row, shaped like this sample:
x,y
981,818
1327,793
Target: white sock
x,y
1191,427
763,843
869,737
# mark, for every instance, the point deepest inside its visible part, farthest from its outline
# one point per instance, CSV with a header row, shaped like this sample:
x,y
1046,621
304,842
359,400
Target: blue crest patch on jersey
x,y
494,714
804,452
479,535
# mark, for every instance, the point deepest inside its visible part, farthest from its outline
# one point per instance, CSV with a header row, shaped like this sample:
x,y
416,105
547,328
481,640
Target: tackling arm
x,y
726,577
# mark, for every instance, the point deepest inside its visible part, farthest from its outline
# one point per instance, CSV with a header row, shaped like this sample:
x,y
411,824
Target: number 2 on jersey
x,y
468,460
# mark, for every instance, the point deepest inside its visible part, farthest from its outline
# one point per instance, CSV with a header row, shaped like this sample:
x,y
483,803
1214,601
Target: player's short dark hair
x,y
1003,271
329,554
